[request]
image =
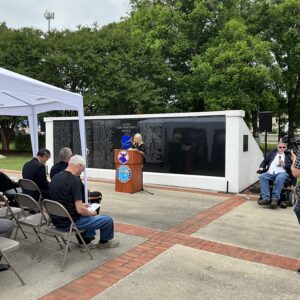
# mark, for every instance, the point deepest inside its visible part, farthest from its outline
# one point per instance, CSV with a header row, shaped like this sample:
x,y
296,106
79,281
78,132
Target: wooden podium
x,y
129,171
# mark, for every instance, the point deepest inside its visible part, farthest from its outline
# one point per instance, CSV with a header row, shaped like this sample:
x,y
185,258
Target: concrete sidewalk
x,y
175,244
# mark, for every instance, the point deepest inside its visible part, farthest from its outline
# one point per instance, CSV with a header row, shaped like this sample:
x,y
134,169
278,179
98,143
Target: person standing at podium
x,y
138,144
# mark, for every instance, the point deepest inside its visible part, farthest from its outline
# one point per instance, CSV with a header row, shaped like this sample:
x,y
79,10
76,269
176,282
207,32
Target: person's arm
x,y
296,164
142,149
269,157
83,210
42,178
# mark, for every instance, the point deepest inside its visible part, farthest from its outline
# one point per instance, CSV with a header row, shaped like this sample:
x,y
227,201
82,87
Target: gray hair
x,y
77,160
65,154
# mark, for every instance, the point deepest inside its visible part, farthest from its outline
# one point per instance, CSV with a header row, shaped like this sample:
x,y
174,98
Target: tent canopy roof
x,y
24,96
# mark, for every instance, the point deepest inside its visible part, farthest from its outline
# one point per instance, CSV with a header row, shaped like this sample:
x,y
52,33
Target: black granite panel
x,y
183,145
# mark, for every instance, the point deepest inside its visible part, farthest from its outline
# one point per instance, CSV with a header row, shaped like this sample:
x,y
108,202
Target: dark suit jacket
x,y
36,172
270,157
58,167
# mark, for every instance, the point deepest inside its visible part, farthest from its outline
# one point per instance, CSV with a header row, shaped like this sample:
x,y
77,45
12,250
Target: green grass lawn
x,y
269,147
14,161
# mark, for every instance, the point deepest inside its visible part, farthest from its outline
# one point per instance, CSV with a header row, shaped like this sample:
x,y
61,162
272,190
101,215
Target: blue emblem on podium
x,y
123,157
123,173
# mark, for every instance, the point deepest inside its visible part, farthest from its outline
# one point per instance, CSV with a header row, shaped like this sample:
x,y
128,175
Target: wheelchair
x,y
287,196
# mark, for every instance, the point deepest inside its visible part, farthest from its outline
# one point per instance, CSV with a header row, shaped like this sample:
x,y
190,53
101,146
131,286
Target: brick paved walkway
x,y
159,241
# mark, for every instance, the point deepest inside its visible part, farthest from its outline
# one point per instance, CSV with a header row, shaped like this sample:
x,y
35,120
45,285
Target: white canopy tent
x,y
24,96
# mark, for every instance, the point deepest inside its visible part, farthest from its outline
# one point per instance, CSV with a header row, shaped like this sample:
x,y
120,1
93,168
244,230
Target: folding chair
x,y
34,221
6,246
9,187
10,212
30,188
54,208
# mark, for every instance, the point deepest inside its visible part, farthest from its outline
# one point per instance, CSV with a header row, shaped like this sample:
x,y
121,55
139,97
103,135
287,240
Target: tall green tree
x,y
236,71
20,51
279,23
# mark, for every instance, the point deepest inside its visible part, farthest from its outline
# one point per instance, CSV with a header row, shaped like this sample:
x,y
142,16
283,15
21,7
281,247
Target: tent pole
x,y
83,149
32,120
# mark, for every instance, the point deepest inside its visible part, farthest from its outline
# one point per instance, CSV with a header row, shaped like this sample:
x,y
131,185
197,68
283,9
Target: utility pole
x,y
49,15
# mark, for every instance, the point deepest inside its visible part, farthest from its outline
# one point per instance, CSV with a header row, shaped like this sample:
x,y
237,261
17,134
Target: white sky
x,y
67,13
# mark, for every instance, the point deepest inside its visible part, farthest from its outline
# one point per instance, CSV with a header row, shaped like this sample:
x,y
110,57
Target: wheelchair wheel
x,y
291,198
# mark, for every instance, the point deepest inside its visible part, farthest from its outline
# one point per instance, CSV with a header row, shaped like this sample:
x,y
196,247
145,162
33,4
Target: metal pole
x,y
266,142
49,15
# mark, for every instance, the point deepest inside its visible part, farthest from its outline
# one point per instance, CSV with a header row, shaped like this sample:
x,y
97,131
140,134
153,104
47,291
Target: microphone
x,y
279,165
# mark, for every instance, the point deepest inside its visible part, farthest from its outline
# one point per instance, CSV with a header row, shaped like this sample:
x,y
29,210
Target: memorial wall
x,y
192,145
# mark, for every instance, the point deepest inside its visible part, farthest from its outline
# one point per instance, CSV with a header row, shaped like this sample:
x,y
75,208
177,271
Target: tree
x,y
279,23
20,51
236,71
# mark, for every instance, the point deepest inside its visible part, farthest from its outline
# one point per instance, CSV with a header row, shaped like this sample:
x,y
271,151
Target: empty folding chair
x,y
54,208
6,246
30,188
28,219
10,212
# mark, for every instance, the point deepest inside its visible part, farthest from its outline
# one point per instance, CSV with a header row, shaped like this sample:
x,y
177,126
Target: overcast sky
x,y
67,13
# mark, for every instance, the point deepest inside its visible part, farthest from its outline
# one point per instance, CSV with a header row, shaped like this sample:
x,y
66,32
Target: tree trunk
x,y
291,117
254,118
5,139
7,126
279,128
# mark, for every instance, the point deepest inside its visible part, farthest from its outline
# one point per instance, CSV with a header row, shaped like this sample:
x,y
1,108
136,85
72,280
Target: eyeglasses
x,y
280,147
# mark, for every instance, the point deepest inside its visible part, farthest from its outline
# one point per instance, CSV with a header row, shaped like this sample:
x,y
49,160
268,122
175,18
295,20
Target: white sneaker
x,y
90,246
110,244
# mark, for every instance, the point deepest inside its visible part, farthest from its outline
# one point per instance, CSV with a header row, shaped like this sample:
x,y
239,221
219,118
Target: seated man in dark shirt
x,y
64,156
66,188
35,170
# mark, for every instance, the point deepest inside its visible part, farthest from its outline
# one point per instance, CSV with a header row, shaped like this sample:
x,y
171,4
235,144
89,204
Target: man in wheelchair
x,y
275,168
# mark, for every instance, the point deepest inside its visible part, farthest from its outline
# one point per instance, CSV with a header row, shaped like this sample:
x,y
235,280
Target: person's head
x,y
281,147
43,155
177,138
138,139
76,165
65,154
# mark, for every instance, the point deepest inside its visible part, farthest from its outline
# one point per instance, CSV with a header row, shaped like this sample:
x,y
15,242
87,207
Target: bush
x,y
23,143
269,147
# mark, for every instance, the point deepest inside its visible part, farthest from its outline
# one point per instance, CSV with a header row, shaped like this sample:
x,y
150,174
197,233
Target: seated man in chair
x,y
66,189
35,170
276,167
64,156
